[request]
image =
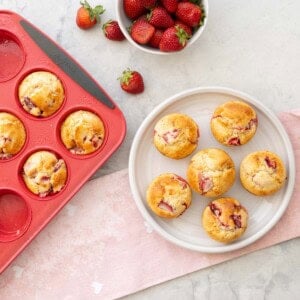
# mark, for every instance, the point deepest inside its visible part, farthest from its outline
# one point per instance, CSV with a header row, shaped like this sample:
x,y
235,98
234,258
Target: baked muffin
x,y
262,173
169,195
82,132
211,172
44,174
225,220
41,93
12,135
176,135
234,123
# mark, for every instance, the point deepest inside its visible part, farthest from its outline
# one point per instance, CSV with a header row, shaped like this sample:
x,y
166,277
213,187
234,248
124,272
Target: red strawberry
x,y
132,82
112,31
142,31
170,5
173,39
160,18
155,40
133,8
189,13
148,3
87,16
185,27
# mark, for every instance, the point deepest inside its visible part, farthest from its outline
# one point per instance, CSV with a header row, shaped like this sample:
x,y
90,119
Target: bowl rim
x,y
147,49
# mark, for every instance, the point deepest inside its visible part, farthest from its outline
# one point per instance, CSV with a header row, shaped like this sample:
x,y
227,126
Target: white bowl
x,y
145,163
124,23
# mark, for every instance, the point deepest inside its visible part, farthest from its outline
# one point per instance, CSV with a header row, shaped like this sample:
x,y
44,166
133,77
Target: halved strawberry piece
x,y
141,31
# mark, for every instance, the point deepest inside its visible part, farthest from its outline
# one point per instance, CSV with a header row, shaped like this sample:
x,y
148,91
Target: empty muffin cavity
x,y
82,132
44,173
15,216
41,93
12,56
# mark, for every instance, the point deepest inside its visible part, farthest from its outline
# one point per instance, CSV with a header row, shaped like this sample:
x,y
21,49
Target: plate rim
x,y
290,161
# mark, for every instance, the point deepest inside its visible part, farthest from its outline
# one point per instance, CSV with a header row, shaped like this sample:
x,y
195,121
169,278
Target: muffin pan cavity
x,y
44,173
15,215
41,92
12,56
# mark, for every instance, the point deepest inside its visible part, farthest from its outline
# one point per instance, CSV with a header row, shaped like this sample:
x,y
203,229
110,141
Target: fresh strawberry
x,y
185,27
173,39
189,13
170,5
132,82
87,16
160,18
156,38
142,31
148,3
112,31
133,8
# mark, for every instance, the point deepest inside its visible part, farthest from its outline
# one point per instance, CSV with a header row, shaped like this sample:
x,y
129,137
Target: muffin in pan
x,y
211,172
234,123
225,219
176,135
169,195
82,132
12,135
41,93
44,174
262,173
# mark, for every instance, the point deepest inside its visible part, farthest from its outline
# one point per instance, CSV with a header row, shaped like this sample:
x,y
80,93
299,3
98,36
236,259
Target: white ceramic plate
x,y
145,163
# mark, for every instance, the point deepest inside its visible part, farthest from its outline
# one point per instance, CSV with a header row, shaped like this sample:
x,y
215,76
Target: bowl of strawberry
x,y
162,26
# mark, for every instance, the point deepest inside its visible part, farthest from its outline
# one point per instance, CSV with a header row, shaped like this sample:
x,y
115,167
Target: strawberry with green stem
x,y
88,16
174,39
112,31
131,82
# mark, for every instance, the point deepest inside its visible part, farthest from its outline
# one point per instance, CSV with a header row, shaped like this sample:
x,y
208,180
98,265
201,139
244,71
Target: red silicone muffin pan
x,y
25,49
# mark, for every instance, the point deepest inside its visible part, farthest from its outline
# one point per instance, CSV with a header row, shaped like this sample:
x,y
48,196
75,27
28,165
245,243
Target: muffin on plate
x,y
12,135
262,173
44,174
211,172
225,219
41,93
169,195
176,135
82,132
234,123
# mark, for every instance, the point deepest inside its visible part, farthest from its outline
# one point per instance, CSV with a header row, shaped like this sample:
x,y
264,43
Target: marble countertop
x,y
255,48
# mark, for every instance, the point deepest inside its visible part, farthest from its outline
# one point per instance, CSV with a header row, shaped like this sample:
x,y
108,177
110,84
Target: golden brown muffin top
x,y
12,135
234,123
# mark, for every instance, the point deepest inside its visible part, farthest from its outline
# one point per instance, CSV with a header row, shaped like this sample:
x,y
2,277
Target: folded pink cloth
x,y
99,246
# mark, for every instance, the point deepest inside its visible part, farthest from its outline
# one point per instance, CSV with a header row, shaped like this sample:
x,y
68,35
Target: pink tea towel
x,y
99,246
